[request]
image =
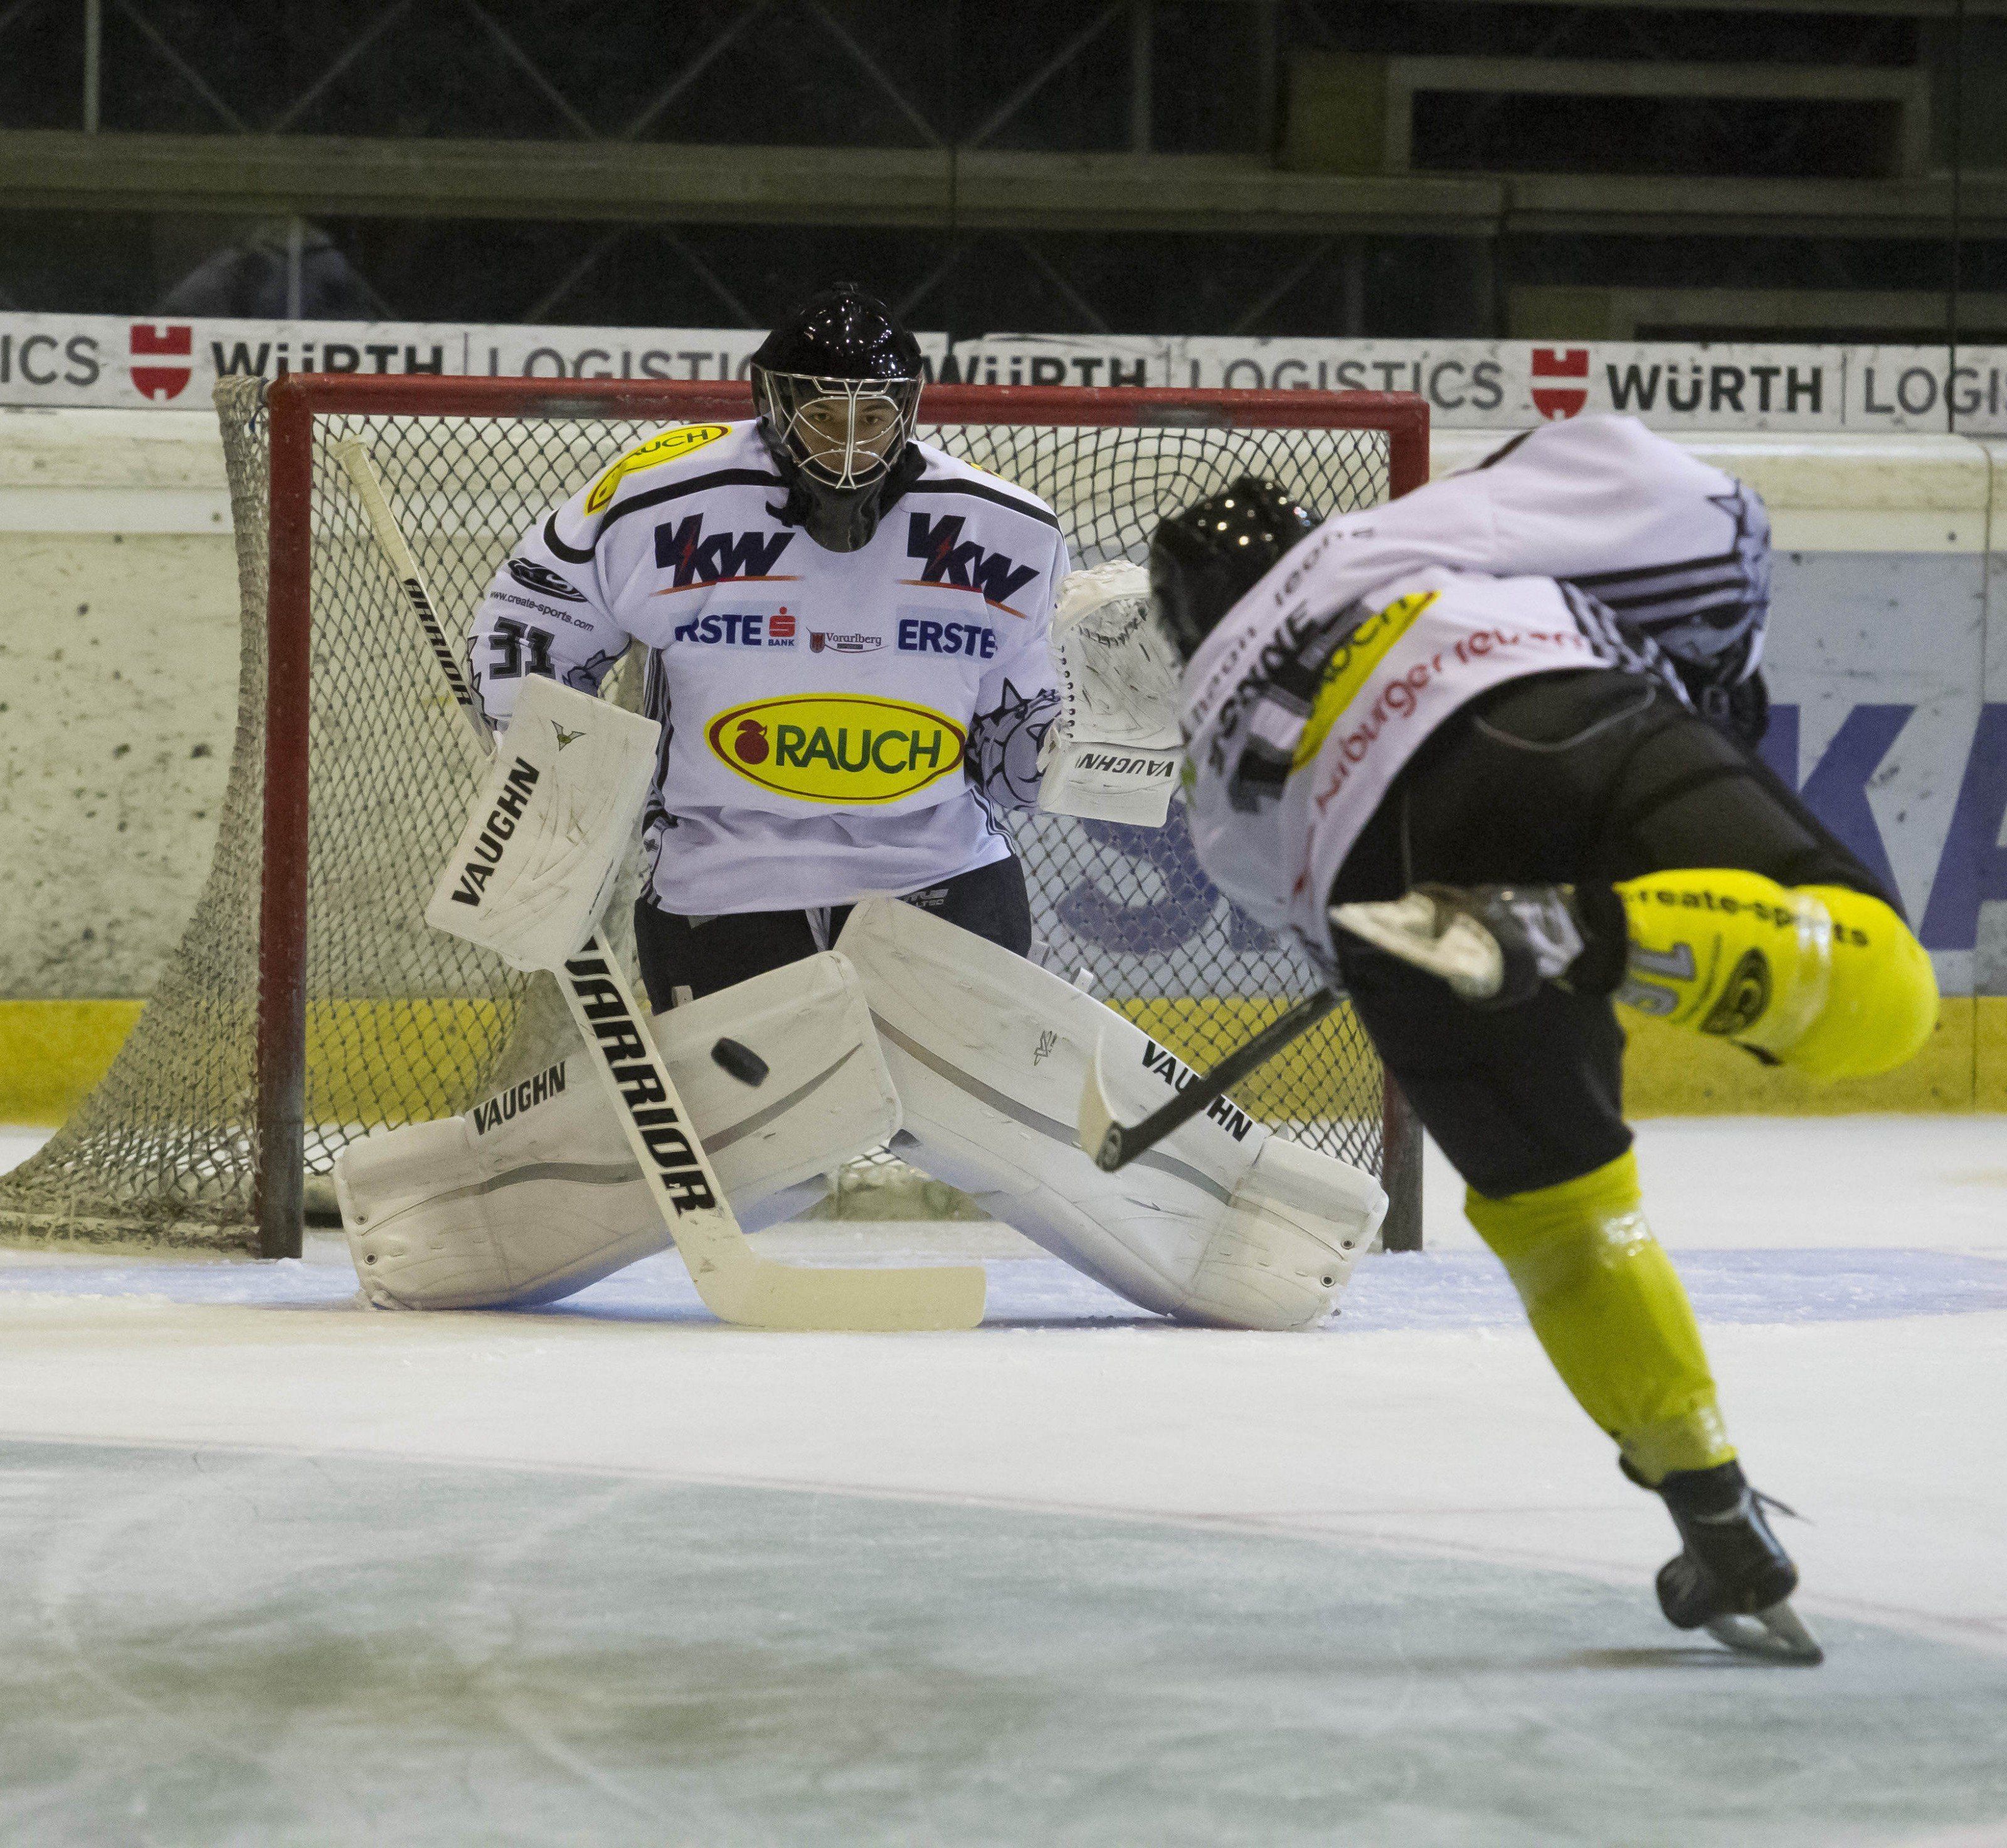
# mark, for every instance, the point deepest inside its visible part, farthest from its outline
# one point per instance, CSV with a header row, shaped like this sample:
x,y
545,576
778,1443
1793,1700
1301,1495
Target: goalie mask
x,y
838,387
1205,559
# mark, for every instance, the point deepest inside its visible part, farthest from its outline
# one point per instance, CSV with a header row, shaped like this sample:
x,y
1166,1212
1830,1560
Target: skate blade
x,y
1777,1635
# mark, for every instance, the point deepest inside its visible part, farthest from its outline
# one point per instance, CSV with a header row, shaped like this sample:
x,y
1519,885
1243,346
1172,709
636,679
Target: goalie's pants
x,y
704,954
1580,778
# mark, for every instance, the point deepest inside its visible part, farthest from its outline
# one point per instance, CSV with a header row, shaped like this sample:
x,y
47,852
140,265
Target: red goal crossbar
x,y
295,401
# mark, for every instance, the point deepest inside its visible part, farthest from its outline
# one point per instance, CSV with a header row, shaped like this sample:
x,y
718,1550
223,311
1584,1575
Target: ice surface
x,y
288,1570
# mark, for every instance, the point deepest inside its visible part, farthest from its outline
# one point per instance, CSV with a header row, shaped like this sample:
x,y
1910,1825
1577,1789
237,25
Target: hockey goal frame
x,y
294,402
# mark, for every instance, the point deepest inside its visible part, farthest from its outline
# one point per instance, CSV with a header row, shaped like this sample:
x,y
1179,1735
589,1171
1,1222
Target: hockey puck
x,y
744,1064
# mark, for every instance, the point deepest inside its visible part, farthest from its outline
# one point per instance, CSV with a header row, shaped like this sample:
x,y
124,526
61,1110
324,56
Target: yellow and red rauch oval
x,y
666,445
840,748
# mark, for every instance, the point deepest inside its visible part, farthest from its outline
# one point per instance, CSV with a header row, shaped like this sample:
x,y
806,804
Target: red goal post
x,y
295,402
307,1004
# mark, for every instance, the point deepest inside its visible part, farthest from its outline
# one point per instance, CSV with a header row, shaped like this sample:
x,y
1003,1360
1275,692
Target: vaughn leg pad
x,y
533,1193
1610,1311
1222,1223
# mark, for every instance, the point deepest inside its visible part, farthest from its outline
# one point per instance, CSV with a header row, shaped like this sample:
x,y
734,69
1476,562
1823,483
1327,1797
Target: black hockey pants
x,y
1570,778
704,954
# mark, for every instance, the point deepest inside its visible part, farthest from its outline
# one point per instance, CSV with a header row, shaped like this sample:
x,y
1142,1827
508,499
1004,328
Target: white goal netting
x,y
403,1023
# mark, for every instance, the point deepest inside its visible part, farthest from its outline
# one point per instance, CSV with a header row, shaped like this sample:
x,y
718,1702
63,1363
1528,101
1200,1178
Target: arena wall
x,y
118,655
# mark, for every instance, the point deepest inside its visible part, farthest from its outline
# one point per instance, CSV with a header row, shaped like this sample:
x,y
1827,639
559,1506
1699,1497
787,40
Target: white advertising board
x,y
113,362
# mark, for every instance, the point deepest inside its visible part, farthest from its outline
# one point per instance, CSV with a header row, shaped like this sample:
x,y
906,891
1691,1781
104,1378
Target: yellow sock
x,y
1610,1311
1825,979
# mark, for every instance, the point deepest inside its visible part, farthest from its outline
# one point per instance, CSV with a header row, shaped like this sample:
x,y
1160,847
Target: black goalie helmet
x,y
837,387
1205,558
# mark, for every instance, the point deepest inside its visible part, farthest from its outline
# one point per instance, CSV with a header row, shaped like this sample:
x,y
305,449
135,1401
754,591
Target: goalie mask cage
x,y
307,1004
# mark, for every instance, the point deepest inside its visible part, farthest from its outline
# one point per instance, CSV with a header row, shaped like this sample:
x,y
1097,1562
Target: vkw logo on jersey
x,y
534,577
960,564
836,747
668,446
699,558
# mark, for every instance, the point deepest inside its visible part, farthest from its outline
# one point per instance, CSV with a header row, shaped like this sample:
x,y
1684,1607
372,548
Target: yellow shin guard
x,y
1825,979
1610,1311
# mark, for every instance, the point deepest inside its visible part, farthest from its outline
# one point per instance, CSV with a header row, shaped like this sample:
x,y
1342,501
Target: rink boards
x,y
1888,666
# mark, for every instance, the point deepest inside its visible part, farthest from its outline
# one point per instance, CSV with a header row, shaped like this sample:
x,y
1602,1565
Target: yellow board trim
x,y
53,1052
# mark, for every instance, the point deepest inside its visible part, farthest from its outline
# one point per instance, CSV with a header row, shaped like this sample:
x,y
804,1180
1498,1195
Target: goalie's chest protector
x,y
1286,775
795,680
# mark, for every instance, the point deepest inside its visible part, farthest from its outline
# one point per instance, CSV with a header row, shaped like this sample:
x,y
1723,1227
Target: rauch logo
x,y
667,447
836,747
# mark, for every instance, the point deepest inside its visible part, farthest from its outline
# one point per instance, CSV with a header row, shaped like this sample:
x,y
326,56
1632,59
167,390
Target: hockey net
x,y
308,1004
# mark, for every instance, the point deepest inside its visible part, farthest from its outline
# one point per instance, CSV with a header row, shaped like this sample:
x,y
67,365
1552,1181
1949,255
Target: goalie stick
x,y
736,1284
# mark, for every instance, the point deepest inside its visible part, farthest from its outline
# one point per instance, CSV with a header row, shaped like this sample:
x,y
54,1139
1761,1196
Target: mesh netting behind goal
x,y
403,1024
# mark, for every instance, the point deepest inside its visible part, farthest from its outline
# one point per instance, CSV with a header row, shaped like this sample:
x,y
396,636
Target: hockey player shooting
x,y
1452,745
853,672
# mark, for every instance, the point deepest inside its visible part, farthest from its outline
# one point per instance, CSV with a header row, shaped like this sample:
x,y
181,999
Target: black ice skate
x,y
1731,1578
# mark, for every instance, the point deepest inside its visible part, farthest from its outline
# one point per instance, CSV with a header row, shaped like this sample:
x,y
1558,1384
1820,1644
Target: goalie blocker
x,y
912,1025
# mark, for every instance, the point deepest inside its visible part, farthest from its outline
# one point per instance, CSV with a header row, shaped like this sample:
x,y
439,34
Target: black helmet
x,y
1205,558
837,386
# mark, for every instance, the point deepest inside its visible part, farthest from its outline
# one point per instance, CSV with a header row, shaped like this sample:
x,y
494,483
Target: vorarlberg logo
x,y
836,747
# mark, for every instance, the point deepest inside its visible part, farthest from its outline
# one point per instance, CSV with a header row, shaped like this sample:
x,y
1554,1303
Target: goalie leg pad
x,y
1222,1223
533,1193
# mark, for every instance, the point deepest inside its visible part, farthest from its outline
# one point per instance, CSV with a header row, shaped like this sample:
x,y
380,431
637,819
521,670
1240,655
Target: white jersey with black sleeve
x,y
1592,544
835,725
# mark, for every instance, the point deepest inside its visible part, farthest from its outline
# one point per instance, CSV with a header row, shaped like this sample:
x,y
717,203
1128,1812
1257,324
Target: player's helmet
x,y
838,387
1205,558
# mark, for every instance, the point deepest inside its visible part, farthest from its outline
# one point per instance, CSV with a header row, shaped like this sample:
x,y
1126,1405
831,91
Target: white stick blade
x,y
796,1298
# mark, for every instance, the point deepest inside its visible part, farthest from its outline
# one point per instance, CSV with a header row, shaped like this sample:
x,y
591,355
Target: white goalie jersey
x,y
834,725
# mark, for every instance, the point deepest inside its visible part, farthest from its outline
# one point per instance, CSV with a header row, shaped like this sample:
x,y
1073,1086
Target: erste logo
x,y
667,446
922,635
837,748
735,629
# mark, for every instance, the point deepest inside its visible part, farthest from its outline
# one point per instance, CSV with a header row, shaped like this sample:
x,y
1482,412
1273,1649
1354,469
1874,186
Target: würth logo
x,y
502,819
962,565
722,558
150,343
1553,401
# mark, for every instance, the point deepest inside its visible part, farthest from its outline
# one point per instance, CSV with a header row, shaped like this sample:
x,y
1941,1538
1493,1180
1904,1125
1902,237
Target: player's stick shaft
x,y
735,1283
1122,1142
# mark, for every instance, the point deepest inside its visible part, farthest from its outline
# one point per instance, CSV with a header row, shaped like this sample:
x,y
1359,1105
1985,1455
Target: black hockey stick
x,y
1113,1144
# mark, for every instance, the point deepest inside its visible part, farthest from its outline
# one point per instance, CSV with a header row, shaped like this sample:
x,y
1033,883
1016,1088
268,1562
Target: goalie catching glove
x,y
548,833
1112,752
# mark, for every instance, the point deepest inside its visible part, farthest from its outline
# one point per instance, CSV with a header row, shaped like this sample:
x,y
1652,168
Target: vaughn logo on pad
x,y
490,843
